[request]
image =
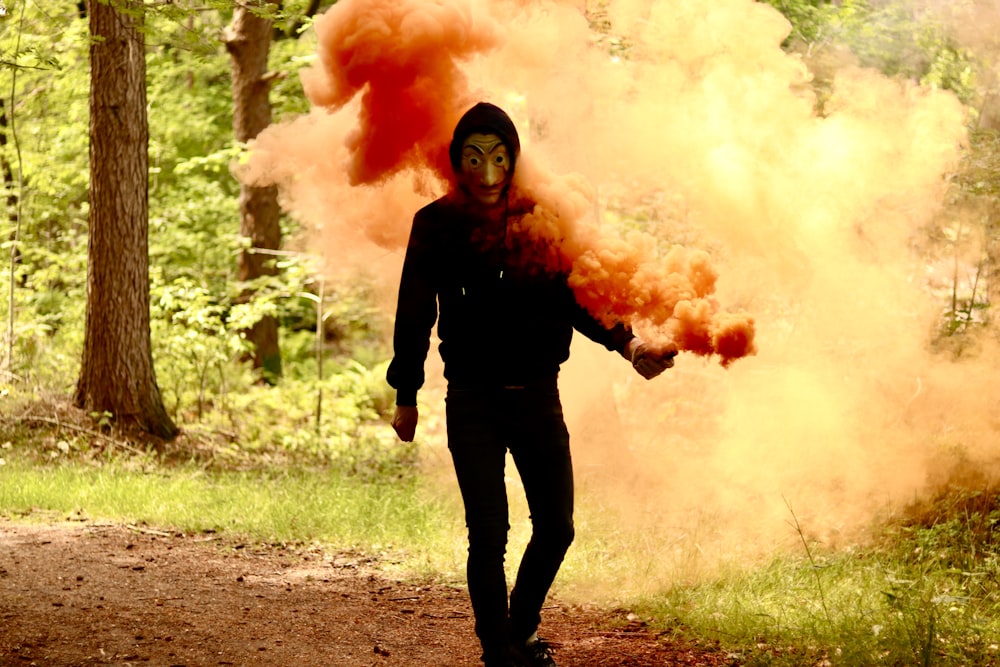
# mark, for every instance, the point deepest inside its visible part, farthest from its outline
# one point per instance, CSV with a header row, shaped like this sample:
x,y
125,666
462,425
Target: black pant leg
x,y
479,454
541,452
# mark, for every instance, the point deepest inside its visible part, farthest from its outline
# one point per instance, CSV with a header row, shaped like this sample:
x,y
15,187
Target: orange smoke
x,y
403,59
623,279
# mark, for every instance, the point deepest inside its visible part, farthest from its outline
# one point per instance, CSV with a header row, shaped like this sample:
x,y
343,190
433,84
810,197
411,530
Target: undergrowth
x,y
925,591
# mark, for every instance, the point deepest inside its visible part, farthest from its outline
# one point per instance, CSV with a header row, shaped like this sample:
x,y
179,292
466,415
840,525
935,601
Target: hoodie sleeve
x,y
614,338
416,312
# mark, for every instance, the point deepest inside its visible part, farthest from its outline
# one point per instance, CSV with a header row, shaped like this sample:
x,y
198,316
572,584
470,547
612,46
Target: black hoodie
x,y
503,318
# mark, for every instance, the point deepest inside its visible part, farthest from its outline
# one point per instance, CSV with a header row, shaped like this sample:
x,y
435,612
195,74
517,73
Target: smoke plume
x,y
402,61
758,230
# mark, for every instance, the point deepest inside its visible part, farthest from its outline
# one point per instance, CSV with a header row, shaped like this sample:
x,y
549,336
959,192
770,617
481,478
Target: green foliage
x,y
338,422
809,18
980,173
888,36
197,317
194,344
966,234
898,40
44,104
287,58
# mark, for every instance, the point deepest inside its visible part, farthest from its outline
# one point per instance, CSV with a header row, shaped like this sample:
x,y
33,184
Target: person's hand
x,y
650,360
404,422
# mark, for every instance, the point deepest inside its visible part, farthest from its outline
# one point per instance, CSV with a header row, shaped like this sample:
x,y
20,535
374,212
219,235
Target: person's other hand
x,y
650,360
404,422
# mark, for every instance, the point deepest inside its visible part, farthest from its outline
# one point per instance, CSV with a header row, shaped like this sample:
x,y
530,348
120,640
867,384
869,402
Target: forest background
x,y
269,342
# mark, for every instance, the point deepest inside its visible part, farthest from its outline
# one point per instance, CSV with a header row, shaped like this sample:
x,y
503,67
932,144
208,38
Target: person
x,y
505,322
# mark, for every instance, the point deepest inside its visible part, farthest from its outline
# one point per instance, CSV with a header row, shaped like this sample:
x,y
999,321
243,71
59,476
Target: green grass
x,y
928,593
400,521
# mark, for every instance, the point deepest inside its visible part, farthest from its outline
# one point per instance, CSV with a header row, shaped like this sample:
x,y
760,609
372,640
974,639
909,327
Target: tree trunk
x,y
248,41
992,266
6,167
117,374
15,250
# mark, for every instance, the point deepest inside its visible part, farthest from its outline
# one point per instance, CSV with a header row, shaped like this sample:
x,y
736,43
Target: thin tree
x,y
14,211
248,40
293,25
117,375
14,191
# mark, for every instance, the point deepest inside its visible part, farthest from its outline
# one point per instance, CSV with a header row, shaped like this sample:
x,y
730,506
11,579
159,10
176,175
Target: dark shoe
x,y
533,654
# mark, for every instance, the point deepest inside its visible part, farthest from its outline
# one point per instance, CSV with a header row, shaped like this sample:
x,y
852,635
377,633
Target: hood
x,y
484,118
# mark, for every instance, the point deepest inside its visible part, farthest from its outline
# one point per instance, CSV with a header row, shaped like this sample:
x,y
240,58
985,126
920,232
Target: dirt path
x,y
99,594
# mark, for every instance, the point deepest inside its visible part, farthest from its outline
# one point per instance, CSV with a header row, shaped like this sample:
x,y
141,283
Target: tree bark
x,y
117,374
248,40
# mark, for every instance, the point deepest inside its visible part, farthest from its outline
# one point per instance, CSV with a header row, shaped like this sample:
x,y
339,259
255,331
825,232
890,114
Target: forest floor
x,y
84,593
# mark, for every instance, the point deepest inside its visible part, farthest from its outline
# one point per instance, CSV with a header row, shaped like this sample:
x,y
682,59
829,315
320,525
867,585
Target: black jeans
x,y
482,425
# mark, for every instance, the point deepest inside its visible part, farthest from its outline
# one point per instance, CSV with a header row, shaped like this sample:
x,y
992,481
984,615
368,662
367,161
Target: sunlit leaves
x,y
889,36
